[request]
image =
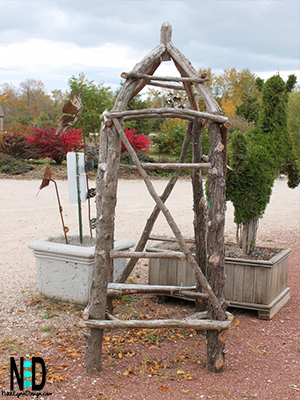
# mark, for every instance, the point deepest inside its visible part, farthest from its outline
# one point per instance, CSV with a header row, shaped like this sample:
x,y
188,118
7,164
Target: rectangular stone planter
x,y
64,271
255,285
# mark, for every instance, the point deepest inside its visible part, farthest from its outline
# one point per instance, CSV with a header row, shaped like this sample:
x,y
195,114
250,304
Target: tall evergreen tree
x,y
257,157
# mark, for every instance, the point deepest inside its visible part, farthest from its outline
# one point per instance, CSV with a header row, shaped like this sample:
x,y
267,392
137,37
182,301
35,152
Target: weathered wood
x,y
205,325
107,122
199,199
180,59
199,206
107,180
162,115
194,295
111,317
147,254
167,166
166,85
133,75
138,287
165,33
188,87
119,289
204,315
160,112
131,87
106,187
153,217
169,239
85,315
190,258
215,242
165,37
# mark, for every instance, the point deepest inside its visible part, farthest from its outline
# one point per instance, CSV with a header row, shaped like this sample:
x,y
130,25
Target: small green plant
x,y
128,299
49,328
153,338
170,138
49,315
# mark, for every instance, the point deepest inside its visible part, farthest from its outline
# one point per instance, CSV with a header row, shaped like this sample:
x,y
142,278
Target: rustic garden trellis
x,y
208,267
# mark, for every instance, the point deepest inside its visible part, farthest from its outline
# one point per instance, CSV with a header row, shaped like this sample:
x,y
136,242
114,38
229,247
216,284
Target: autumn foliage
x,y
45,143
138,141
13,140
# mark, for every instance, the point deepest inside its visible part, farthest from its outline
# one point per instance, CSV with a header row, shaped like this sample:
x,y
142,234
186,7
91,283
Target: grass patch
x,y
49,328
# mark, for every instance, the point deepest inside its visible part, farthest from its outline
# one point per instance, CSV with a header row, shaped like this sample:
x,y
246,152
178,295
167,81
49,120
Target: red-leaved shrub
x,y
45,143
138,142
13,140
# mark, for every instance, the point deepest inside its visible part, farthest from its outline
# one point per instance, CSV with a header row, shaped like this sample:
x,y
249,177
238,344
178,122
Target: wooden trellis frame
x,y
215,321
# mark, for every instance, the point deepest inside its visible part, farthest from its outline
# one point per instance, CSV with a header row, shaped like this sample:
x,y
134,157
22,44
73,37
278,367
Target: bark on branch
x,y
199,325
160,112
167,166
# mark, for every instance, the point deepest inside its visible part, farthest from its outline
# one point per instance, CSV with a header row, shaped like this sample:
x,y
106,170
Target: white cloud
x,y
36,53
53,40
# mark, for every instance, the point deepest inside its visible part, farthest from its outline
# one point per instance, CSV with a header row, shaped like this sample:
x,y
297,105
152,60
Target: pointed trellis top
x,y
190,81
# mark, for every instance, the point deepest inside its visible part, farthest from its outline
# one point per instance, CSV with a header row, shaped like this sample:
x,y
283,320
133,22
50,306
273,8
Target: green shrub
x,y
12,166
250,183
169,139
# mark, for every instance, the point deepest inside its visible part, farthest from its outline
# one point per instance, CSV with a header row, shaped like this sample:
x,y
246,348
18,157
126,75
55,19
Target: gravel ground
x,y
263,359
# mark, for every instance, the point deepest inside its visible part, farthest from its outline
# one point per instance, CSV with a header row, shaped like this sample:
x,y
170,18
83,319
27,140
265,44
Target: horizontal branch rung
x,y
120,286
146,254
170,239
159,323
160,113
166,85
166,166
119,289
133,75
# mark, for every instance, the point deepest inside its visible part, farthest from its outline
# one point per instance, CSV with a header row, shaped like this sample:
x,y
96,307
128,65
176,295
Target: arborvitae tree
x,y
256,157
272,129
294,120
249,185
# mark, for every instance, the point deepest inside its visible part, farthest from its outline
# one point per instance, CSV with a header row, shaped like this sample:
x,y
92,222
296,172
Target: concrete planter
x,y
64,272
255,285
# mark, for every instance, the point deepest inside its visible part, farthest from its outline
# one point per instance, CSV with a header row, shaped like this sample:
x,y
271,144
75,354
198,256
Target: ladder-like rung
x,y
133,75
120,289
147,254
166,166
161,113
198,325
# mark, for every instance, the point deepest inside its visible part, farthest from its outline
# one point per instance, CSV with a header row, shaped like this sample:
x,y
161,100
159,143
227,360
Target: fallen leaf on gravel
x,y
164,388
295,388
186,391
256,349
180,372
46,343
75,355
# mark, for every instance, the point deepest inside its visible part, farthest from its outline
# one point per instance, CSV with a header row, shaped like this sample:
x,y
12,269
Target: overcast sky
x,y
51,40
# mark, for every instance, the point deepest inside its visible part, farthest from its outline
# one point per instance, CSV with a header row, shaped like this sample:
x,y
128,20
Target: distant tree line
x,y
239,94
